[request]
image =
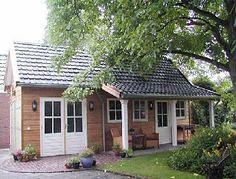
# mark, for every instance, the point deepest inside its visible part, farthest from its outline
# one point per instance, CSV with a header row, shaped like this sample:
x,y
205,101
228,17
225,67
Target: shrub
x,y
96,148
206,147
86,153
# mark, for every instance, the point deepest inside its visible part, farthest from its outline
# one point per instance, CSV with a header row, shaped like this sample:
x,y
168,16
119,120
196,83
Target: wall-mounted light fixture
x,y
34,105
91,105
150,105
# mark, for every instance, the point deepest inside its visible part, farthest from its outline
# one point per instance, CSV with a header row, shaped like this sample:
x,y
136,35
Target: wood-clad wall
x,y
30,119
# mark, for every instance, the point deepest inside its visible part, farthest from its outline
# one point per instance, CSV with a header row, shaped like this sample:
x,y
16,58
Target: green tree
x,y
142,32
224,110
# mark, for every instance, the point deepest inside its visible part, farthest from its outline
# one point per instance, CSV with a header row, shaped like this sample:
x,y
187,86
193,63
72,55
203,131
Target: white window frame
x,y
108,111
146,111
180,109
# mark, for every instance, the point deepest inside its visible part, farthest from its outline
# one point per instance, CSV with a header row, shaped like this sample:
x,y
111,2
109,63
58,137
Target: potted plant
x,y
116,149
123,153
96,148
73,162
30,153
86,158
130,152
17,155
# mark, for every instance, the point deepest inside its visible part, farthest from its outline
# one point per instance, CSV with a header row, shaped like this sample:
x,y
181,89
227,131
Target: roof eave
x,y
42,85
172,97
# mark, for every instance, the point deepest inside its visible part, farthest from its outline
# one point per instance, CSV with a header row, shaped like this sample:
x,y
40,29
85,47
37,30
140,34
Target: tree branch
x,y
199,57
186,4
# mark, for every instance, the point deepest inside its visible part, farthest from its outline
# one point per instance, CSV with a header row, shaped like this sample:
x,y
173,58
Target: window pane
x,y
48,108
165,121
136,114
112,115
70,109
57,125
78,109
142,114
142,104
182,104
177,113
159,117
111,104
118,115
118,105
48,125
164,108
177,104
182,113
79,125
159,108
70,125
57,108
136,104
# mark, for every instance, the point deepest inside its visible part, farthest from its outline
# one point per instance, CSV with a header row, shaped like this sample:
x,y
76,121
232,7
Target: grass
x,y
150,166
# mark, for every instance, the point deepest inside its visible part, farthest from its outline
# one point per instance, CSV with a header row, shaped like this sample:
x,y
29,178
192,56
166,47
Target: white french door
x,y
52,126
76,138
163,126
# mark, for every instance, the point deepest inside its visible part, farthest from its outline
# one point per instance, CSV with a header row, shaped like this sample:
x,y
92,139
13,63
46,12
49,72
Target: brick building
x,y
4,107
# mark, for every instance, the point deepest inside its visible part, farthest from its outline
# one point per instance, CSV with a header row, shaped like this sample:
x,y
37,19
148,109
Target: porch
x,y
164,120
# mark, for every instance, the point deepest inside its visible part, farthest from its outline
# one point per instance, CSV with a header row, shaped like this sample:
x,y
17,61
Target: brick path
x,y
50,164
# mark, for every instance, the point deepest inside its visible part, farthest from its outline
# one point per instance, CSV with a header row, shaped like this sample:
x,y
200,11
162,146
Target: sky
x,y
22,20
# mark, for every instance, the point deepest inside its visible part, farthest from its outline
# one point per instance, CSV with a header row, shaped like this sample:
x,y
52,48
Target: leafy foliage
x,y
224,110
140,33
207,146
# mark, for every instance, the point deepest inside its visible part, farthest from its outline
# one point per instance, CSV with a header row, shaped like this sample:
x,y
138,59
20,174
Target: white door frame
x,y
42,100
168,118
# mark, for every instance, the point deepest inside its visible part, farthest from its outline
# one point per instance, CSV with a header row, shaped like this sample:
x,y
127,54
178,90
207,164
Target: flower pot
x,y
94,162
87,162
76,165
15,158
123,154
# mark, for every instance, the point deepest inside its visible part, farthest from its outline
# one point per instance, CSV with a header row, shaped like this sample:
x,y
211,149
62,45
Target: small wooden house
x,y
42,117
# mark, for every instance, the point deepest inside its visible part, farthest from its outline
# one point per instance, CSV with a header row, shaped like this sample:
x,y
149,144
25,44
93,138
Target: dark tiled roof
x,y
35,69
167,81
3,59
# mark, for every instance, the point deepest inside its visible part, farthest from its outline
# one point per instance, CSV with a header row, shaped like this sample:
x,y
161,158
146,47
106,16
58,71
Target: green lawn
x,y
151,166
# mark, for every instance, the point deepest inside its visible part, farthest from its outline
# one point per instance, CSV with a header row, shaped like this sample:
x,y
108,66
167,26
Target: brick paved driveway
x,y
88,174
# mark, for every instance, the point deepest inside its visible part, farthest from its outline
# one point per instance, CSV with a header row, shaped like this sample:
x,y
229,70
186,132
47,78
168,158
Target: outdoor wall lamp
x,y
150,105
34,105
91,105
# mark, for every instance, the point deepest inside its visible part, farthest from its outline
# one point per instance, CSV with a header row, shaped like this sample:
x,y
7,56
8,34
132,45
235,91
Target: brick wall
x,y
4,120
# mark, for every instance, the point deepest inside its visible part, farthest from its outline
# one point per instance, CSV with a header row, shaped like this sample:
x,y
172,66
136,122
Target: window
x,y
114,110
180,109
140,110
74,117
52,119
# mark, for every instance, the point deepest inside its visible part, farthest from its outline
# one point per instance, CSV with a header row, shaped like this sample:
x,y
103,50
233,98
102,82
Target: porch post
x,y
211,114
124,108
174,122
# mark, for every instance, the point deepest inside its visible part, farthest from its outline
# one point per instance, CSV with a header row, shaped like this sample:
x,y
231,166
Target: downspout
x,y
103,122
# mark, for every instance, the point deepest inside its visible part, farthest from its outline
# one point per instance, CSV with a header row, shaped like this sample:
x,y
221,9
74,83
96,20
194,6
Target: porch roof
x,y
35,69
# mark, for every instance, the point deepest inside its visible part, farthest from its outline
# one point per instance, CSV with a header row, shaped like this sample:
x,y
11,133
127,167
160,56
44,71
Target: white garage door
x,y
76,127
52,127
62,133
